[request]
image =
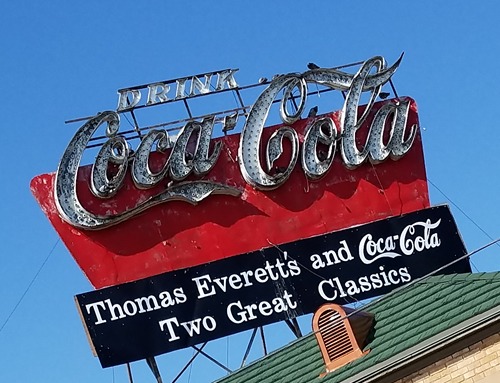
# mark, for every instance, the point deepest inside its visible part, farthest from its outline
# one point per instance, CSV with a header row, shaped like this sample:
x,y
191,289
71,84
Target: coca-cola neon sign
x,y
121,217
116,150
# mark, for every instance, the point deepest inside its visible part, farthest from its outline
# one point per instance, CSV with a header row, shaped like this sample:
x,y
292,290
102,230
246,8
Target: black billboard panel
x,y
186,307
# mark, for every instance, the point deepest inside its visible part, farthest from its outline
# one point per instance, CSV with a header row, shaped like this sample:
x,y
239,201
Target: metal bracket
x,y
154,368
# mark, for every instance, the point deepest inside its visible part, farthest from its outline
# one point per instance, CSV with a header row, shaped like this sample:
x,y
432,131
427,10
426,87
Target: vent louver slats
x,y
340,336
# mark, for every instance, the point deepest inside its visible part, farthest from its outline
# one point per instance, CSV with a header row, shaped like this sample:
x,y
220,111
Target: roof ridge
x,y
433,280
462,277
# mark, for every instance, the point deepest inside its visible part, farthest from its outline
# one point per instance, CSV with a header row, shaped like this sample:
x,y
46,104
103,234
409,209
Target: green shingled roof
x,y
408,318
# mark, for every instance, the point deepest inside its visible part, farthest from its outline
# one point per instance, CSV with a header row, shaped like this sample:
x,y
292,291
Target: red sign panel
x,y
175,234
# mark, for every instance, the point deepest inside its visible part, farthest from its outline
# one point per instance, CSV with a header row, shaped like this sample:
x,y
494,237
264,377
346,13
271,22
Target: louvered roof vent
x,y
341,335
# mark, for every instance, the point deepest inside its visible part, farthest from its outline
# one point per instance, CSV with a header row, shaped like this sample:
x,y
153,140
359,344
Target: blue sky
x,y
62,60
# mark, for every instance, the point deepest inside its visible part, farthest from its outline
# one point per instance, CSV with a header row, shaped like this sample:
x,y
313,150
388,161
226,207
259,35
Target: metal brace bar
x,y
129,372
240,99
181,120
187,108
294,326
239,89
393,88
154,368
263,340
212,359
250,343
189,363
136,128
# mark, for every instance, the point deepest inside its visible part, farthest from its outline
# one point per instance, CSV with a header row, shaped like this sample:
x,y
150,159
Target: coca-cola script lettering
x,y
414,238
196,162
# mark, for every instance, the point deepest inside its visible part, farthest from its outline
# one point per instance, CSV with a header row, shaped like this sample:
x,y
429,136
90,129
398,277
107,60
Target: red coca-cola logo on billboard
x,y
176,202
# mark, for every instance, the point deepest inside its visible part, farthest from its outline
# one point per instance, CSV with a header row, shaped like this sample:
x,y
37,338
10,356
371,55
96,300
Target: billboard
x,y
172,203
186,307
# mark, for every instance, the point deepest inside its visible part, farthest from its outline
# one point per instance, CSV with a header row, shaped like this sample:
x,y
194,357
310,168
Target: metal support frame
x,y
187,108
199,351
136,124
263,338
154,368
189,363
129,373
293,324
240,99
241,110
212,359
151,362
137,133
393,88
249,347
